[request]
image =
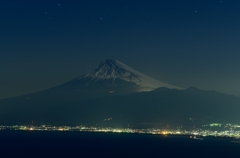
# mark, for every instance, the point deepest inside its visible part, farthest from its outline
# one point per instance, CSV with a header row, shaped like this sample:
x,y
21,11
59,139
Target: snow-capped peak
x,y
114,69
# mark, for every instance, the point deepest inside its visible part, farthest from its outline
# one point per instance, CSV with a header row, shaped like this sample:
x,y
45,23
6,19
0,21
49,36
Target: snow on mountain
x,y
114,69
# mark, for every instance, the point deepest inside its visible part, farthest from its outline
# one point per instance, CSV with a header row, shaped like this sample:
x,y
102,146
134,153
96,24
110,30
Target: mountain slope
x,y
110,77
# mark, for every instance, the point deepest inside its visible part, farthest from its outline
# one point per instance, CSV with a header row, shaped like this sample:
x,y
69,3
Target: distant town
x,y
214,129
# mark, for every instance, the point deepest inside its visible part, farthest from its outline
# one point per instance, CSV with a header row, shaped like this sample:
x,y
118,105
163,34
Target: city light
x,y
226,130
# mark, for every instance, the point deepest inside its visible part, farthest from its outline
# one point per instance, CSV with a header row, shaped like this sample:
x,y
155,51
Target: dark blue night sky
x,y
45,43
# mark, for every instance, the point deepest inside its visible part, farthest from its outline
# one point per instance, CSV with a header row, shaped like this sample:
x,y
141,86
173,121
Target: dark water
x,y
77,144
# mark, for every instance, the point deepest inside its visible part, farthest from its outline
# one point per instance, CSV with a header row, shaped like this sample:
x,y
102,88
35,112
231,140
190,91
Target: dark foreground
x,y
78,144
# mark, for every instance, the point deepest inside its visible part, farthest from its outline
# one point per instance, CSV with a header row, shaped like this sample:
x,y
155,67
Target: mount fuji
x,y
117,91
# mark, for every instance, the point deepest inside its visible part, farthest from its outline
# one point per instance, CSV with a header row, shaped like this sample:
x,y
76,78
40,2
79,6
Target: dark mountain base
x,y
162,107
